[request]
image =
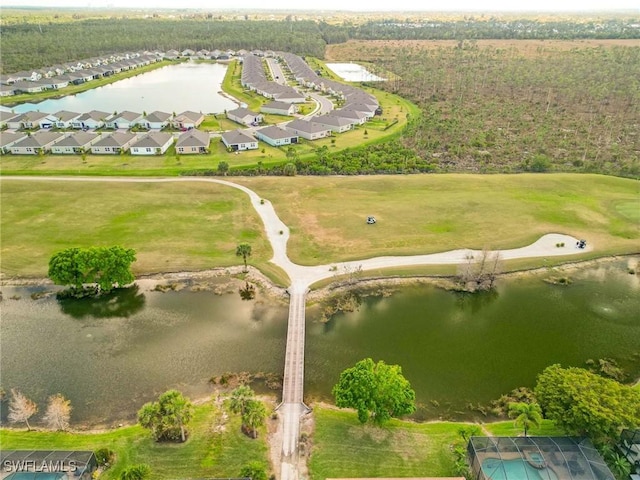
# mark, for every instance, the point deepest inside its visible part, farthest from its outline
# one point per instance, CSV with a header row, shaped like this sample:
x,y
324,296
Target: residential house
x,y
22,86
6,117
156,120
279,108
336,124
236,140
193,141
91,120
276,136
7,90
370,110
188,119
64,118
245,116
153,143
360,118
124,120
9,139
36,143
76,143
113,144
188,53
172,54
31,120
308,130
58,82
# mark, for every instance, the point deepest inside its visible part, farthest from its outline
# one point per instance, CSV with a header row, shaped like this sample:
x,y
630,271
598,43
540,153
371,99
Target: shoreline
x,y
254,275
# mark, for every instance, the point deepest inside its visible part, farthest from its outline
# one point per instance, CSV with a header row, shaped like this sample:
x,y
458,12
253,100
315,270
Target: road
x,y
292,407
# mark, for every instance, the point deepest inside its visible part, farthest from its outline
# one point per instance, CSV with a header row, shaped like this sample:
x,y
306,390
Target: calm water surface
x,y
111,356
174,88
352,72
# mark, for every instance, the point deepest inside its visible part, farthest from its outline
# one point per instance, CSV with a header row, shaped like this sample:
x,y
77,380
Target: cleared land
x,y
172,226
192,226
434,213
342,447
206,453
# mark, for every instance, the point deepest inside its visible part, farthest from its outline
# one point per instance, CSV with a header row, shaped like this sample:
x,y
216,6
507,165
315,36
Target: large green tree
x,y
252,411
526,415
105,267
376,390
583,403
167,418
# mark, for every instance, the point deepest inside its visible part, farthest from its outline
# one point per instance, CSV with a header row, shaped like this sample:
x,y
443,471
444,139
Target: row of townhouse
x,y
58,77
255,79
95,119
152,143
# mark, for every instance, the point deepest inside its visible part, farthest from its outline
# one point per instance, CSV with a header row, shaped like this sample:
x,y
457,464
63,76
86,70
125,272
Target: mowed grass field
x,y
342,447
206,453
432,213
172,226
197,225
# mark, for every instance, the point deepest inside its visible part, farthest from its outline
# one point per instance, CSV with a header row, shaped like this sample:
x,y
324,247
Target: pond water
x,y
174,88
352,72
111,356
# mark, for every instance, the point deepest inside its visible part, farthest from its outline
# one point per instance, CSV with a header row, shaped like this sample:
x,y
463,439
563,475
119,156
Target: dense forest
x,y
37,39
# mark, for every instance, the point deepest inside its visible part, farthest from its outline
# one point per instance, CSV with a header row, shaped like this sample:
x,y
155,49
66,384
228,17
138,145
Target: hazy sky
x,y
353,5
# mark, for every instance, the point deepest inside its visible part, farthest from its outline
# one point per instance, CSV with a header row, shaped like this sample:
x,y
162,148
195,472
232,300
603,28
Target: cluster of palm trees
x,y
252,411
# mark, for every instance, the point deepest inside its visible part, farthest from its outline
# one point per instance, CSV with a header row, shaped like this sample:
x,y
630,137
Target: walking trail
x,y
292,407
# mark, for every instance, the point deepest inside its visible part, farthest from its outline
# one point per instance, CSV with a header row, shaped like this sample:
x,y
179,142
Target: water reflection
x,y
122,303
474,302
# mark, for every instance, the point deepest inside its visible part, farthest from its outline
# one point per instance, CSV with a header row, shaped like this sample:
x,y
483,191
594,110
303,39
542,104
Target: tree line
x,y
39,41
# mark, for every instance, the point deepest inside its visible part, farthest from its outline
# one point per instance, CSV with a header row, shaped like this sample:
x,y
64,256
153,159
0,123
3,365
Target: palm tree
x,y
244,250
526,415
254,416
239,399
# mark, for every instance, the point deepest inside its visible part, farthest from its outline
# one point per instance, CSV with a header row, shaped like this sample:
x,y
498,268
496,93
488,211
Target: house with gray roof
x,y
156,120
65,118
76,143
30,120
359,118
153,143
9,139
113,144
7,90
279,108
5,117
124,120
336,124
93,119
276,136
37,142
308,130
245,116
236,140
193,141
187,119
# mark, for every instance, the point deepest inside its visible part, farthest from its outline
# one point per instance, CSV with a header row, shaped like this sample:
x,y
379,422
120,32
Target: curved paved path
x,y
292,407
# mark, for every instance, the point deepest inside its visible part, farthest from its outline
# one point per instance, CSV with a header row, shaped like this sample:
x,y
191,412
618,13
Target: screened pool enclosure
x,y
535,458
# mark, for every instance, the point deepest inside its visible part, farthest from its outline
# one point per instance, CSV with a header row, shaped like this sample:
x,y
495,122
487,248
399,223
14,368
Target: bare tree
x,y
21,408
480,273
58,412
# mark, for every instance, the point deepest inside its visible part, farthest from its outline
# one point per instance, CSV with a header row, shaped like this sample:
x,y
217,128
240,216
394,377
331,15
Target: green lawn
x,y
205,454
172,226
432,213
180,226
343,448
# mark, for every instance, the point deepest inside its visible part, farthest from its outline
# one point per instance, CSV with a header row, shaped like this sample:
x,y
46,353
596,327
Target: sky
x,y
352,5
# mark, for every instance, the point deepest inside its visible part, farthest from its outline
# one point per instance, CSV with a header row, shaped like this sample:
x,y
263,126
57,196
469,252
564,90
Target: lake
x,y
352,72
174,88
111,356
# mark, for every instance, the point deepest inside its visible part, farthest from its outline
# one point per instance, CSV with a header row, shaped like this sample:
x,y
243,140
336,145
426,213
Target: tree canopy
x,y
376,390
525,415
168,417
583,403
252,411
106,267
